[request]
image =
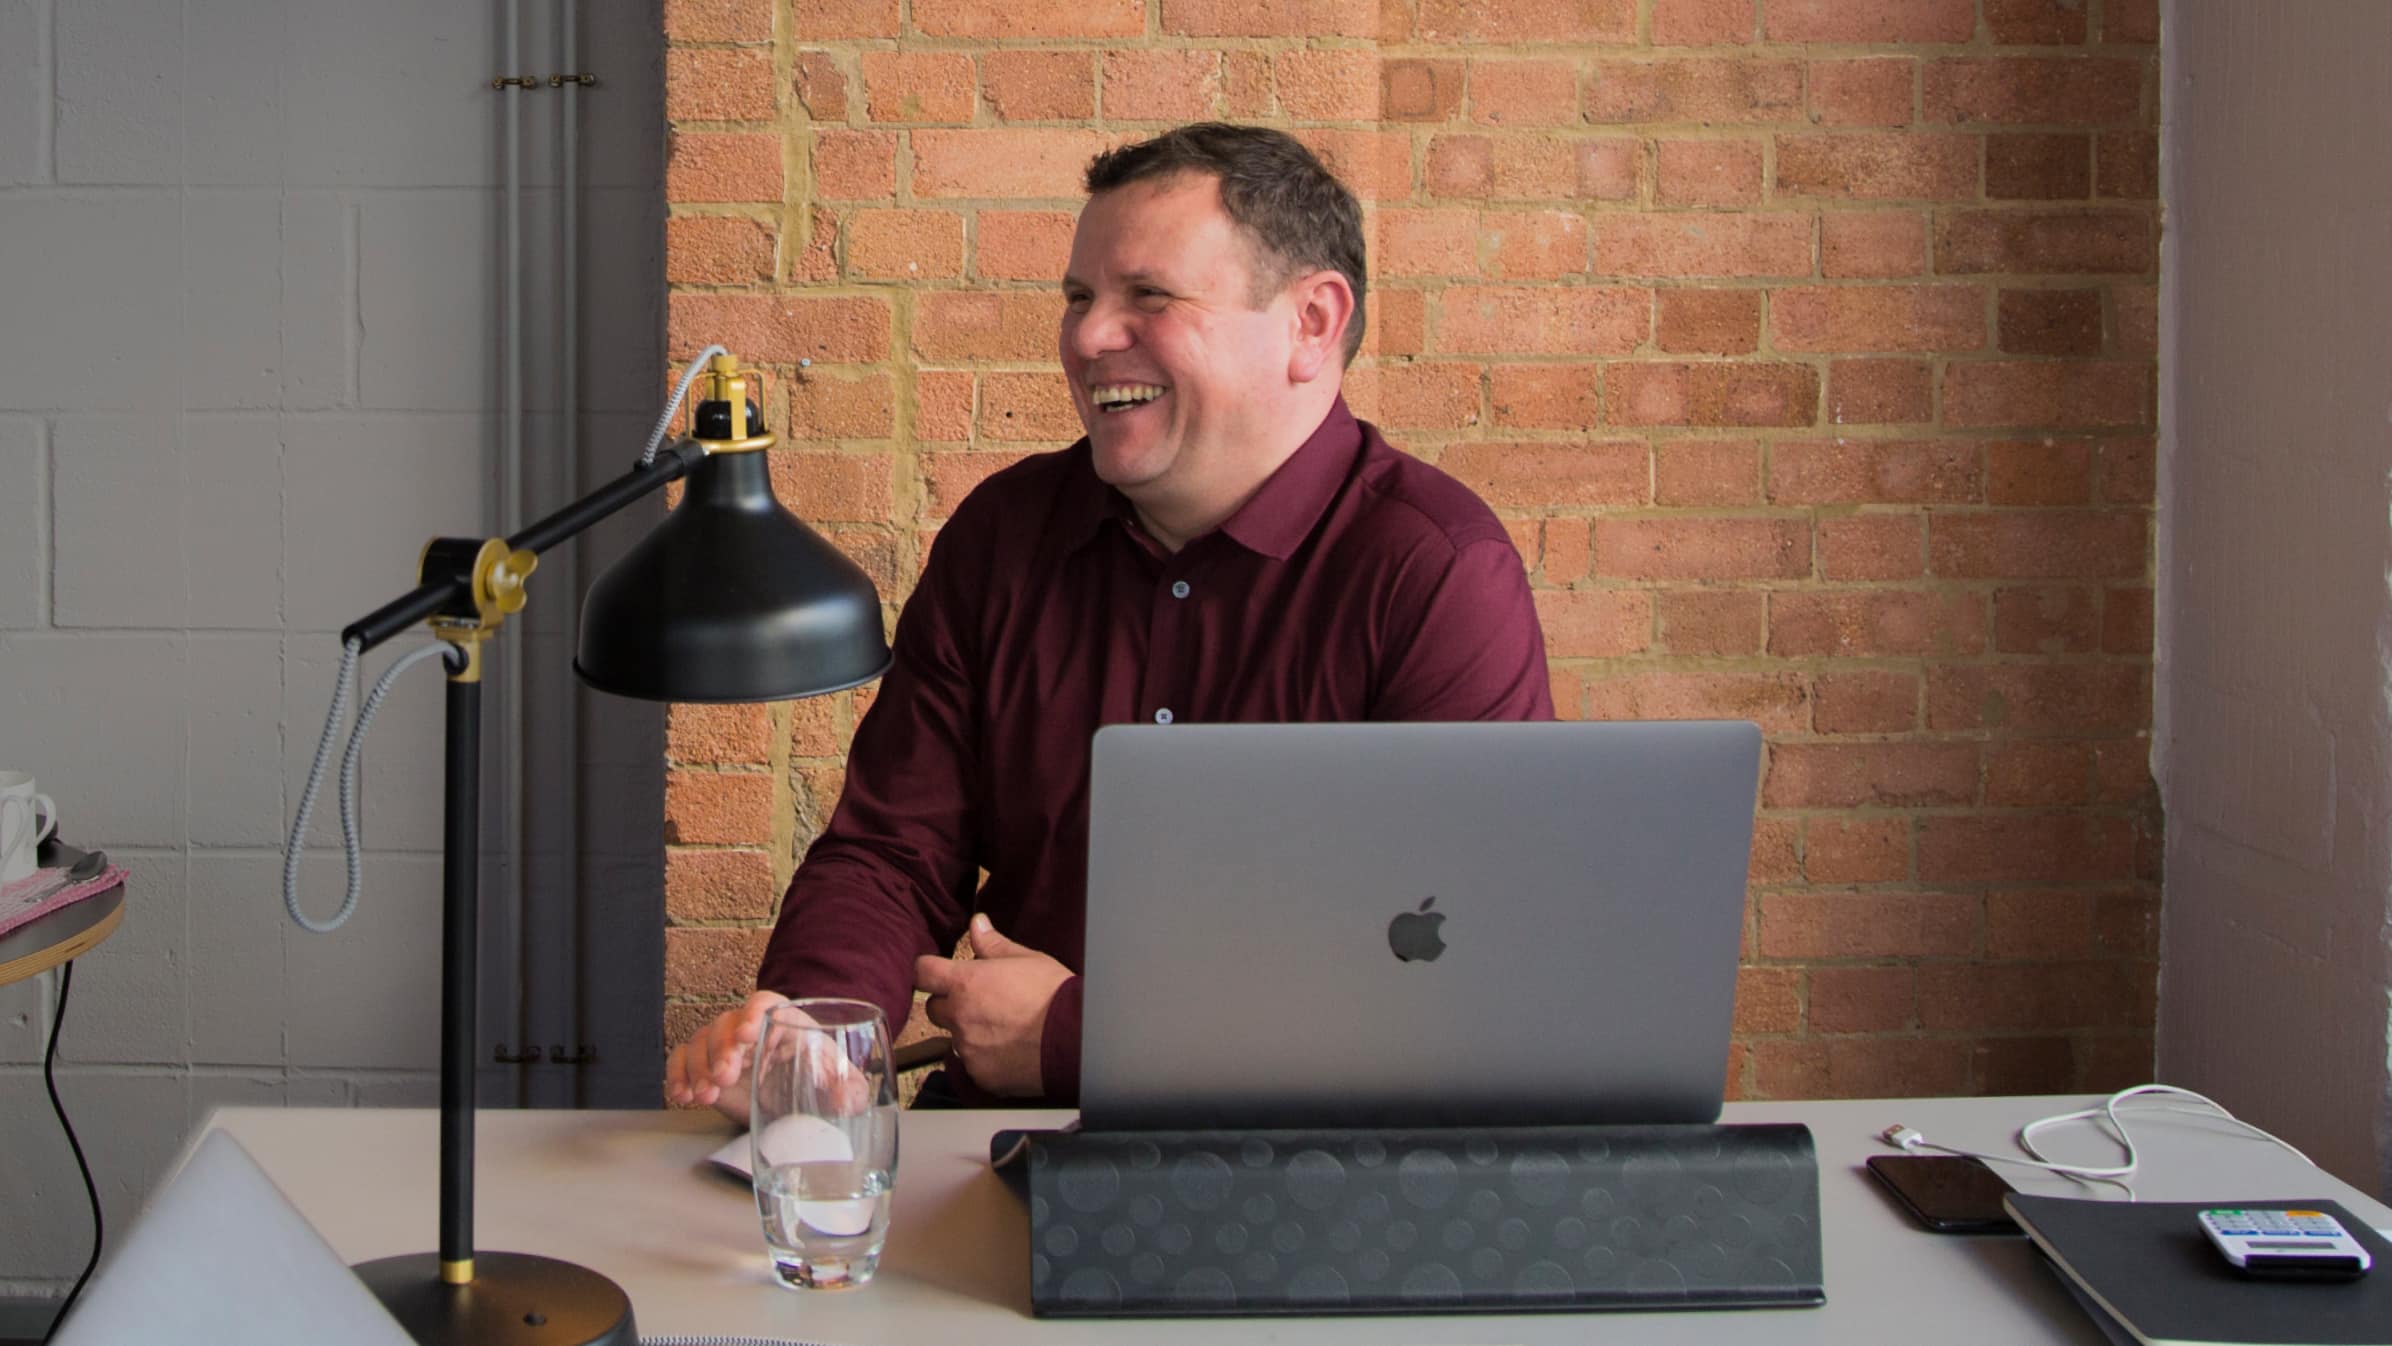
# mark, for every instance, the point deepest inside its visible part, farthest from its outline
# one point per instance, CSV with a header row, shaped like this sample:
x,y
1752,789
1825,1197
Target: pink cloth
x,y
23,900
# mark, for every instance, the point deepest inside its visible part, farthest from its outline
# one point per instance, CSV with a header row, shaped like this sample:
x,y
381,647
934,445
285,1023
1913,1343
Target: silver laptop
x,y
1414,924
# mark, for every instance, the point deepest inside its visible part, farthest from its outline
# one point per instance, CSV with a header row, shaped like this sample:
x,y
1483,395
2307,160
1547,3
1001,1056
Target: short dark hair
x,y
1299,216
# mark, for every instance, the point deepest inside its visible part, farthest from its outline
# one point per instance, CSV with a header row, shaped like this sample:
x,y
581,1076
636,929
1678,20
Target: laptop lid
x,y
1414,924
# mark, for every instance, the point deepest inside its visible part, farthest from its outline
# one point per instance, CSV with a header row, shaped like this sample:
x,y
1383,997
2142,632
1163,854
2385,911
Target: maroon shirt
x,y
1357,584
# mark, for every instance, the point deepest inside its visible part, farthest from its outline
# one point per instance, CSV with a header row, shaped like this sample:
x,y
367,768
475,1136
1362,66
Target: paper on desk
x,y
802,1140
29,898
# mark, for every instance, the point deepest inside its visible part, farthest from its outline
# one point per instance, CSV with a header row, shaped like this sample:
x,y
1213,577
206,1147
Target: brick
x,y
1771,244
1551,475
1609,168
2126,924
2036,23
1872,547
1416,90
1869,20
1568,550
1879,165
1708,172
718,20
1526,21
1768,999
1009,162
1398,322
1875,623
917,86
1854,775
1327,83
2134,316
1703,548
2046,242
1778,702
1518,93
819,20
836,487
1698,472
779,329
1861,999
2126,622
999,19
1865,703
1023,86
2023,1065
1246,84
1544,397
1856,850
2029,996
1543,320
1870,91
1872,244
981,325
712,961
704,735
1708,322
2036,166
2038,775
717,250
2126,165
820,84
1375,165
2076,393
716,808
1868,925
1711,394
1776,843
1022,245
1406,242
2130,21
718,84
942,405
825,405
1712,90
1843,318
1018,408
817,259
2051,322
1528,166
855,165
949,477
814,727
1271,18
1702,23
2036,90
908,244
1880,392
723,166
1433,396
2038,472
1532,244
1873,472
1710,621
732,885
1880,1067
1595,623
2040,698
1167,85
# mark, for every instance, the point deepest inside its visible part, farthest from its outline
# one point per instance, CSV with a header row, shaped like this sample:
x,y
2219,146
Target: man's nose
x,y
1096,330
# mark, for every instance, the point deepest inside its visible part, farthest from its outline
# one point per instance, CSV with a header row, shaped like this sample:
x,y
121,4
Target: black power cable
x,y
66,982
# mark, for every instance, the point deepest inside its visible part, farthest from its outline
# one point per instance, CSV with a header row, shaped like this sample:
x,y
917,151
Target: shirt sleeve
x,y
1464,640
892,876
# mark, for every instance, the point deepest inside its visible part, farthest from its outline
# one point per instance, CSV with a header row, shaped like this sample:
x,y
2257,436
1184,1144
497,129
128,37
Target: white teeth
x,y
1123,393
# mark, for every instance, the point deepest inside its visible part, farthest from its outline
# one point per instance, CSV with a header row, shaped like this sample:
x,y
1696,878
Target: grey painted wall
x,y
248,337
2275,545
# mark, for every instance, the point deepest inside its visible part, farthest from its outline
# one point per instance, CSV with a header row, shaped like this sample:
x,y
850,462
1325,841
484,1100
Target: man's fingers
x,y
940,1010
935,974
987,943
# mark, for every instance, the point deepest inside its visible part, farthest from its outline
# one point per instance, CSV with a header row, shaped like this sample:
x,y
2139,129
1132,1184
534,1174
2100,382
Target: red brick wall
x,y
1808,346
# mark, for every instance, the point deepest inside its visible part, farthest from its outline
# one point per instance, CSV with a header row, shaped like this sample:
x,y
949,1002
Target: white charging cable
x,y
2107,1117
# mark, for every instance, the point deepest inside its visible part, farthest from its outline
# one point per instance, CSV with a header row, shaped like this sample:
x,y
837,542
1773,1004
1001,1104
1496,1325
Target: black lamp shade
x,y
731,598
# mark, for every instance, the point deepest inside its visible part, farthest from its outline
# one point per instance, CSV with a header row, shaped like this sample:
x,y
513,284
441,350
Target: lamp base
x,y
513,1298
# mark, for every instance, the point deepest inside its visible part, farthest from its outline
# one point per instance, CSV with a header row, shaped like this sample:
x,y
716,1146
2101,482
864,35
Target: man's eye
x,y
1075,301
1150,296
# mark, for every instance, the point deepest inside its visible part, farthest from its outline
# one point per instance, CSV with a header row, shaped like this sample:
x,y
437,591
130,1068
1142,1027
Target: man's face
x,y
1177,375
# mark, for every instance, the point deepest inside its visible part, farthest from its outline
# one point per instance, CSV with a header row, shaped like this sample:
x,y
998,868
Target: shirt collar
x,y
1275,520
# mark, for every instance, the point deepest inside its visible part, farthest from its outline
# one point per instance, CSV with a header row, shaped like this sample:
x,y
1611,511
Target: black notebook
x,y
2148,1268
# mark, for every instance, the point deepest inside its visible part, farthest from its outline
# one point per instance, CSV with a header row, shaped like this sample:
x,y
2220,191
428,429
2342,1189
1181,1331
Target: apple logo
x,y
1413,934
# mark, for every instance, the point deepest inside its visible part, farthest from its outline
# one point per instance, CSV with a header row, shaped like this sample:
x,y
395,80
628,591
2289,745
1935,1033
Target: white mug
x,y
27,818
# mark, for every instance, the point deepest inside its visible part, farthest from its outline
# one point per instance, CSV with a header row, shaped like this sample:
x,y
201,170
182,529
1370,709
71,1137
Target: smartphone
x,y
1947,1193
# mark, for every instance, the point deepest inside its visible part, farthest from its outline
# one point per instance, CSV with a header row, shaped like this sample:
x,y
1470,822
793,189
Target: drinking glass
x,y
823,1130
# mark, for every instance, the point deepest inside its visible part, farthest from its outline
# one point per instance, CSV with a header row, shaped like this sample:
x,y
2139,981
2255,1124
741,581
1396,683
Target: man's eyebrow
x,y
1128,277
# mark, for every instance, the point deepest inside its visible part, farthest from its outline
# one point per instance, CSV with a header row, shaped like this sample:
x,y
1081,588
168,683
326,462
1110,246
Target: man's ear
x,y
1324,308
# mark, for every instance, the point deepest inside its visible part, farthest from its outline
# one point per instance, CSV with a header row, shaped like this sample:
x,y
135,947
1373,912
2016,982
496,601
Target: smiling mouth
x,y
1114,398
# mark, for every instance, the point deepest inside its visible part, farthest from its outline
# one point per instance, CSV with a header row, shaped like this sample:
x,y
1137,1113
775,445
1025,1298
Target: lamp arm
x,y
672,462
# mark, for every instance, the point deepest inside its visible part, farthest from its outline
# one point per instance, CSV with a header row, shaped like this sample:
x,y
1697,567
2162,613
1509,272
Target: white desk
x,y
628,1194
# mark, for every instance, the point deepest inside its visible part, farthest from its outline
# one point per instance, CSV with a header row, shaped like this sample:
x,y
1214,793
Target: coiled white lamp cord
x,y
680,390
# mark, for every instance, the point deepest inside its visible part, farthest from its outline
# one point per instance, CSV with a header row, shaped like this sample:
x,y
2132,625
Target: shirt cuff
x,y
1059,1047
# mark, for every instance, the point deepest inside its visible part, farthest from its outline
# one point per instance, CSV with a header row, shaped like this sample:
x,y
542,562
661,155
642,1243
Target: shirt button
x,y
1163,716
1179,588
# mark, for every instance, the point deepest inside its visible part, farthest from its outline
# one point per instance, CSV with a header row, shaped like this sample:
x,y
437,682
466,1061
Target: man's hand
x,y
712,1066
995,1005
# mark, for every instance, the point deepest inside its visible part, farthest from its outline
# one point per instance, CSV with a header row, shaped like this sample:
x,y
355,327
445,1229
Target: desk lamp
x,y
729,599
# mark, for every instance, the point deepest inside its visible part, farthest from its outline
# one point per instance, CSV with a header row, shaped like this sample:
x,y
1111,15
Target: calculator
x,y
2280,1241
